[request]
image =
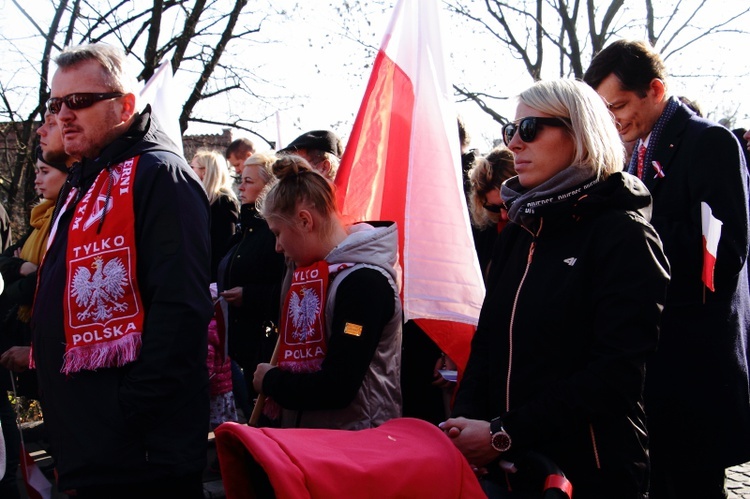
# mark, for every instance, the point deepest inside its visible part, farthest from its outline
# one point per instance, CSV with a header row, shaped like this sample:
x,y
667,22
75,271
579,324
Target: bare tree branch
x,y
187,33
31,20
151,62
234,124
211,64
478,98
682,25
220,91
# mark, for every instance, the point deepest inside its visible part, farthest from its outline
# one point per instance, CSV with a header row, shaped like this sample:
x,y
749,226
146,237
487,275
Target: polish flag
x,y
37,485
711,228
160,93
402,163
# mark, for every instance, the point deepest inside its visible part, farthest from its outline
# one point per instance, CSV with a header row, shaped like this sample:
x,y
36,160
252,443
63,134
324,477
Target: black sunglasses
x,y
493,208
528,127
79,100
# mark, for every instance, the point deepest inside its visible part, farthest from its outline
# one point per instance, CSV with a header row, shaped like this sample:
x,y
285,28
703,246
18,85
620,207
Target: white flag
x,y
159,93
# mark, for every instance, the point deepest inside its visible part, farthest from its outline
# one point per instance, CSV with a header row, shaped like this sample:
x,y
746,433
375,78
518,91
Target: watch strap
x,y
496,425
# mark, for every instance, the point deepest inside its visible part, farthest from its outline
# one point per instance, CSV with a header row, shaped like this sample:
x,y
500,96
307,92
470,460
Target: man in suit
x,y
696,393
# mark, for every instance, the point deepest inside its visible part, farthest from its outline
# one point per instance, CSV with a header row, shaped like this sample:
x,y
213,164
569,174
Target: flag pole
x,y
261,400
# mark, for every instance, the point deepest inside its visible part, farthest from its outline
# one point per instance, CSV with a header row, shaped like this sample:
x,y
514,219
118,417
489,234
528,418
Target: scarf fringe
x,y
115,353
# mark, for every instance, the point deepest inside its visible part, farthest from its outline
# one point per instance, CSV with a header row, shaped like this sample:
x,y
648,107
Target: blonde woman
x,y
574,299
249,279
213,170
340,333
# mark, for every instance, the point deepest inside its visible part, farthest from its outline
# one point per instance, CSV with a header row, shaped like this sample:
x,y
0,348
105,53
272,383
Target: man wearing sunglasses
x,y
122,306
697,383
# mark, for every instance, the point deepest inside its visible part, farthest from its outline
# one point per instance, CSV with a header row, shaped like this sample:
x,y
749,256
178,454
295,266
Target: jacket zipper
x,y
595,447
512,321
532,247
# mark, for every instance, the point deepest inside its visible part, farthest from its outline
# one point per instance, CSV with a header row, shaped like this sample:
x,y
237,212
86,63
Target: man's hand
x,y
27,268
472,438
260,373
16,359
233,296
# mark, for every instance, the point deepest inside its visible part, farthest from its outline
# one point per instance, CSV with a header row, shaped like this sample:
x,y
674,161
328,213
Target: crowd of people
x,y
154,299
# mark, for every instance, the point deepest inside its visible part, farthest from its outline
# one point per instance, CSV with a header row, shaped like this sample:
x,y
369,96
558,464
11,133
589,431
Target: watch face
x,y
501,441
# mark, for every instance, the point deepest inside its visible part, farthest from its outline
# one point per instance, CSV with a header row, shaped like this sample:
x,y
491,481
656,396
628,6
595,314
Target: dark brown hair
x,y
488,173
240,147
634,63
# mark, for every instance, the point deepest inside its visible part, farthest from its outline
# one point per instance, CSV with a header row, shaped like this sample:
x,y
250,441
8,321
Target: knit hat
x,y
317,140
54,164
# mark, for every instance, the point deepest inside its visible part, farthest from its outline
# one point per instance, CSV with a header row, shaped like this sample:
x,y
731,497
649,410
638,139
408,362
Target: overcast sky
x,y
316,77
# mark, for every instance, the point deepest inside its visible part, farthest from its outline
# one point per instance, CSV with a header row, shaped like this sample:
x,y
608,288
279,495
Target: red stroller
x,y
407,458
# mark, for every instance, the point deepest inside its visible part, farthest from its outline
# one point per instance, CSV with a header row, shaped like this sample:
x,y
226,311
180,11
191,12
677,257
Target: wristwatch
x,y
499,438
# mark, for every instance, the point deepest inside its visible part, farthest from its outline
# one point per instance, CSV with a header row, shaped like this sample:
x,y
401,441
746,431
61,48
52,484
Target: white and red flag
x,y
37,485
159,91
711,229
402,163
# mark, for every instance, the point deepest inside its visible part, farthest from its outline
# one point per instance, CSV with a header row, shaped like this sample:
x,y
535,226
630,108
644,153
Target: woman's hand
x,y
233,296
472,438
443,362
260,373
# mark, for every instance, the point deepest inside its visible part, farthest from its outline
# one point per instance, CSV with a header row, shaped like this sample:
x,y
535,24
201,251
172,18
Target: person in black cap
x,y
321,148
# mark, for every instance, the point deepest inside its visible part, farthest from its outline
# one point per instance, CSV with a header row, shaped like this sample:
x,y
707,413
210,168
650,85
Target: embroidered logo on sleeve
x,y
352,329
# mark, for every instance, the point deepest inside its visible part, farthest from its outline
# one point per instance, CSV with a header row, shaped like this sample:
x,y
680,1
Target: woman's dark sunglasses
x,y
493,208
79,100
528,127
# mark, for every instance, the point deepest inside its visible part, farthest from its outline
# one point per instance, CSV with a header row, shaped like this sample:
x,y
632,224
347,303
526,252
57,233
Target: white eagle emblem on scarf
x,y
98,293
304,312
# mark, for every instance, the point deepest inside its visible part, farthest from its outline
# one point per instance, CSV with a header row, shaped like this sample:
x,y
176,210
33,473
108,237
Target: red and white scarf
x,y
302,336
103,310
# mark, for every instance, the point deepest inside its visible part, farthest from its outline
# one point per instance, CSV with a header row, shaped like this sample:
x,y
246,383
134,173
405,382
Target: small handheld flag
x,y
711,229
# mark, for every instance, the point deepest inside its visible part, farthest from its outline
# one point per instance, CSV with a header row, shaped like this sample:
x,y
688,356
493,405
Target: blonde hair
x,y
299,184
216,181
264,161
597,142
117,74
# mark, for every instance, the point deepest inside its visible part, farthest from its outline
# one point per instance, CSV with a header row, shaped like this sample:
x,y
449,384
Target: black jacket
x,y
252,263
225,213
19,290
148,419
570,315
